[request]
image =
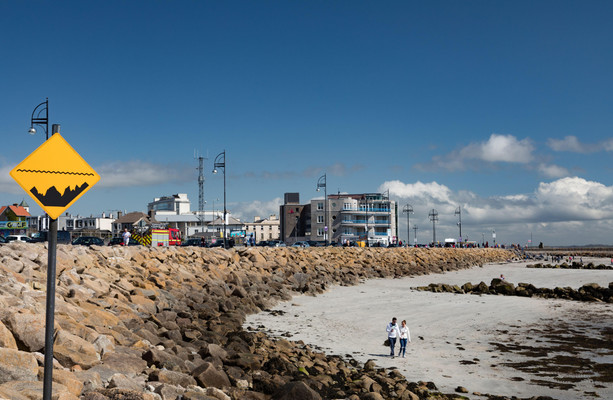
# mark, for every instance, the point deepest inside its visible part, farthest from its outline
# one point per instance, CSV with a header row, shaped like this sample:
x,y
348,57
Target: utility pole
x,y
409,210
433,217
415,231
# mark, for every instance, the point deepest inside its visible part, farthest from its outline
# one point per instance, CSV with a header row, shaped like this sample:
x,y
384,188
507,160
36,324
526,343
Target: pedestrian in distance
x,y
405,336
393,332
126,236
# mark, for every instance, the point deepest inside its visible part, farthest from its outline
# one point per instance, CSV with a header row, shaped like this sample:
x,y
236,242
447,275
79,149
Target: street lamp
x,y
409,210
220,162
38,118
321,183
458,212
415,228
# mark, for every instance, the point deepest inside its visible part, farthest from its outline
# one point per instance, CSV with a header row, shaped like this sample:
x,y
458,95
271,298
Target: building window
x,y
320,219
346,206
320,206
320,232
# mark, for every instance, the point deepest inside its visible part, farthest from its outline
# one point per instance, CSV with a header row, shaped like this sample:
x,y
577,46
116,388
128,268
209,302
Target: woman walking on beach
x,y
405,336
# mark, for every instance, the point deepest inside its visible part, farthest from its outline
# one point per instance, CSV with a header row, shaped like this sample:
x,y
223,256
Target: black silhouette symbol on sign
x,y
53,198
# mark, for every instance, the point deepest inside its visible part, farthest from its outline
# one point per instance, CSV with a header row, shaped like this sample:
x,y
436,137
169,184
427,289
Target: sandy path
x,y
454,337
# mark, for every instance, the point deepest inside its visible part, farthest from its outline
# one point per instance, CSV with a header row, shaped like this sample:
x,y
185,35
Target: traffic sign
x,y
55,175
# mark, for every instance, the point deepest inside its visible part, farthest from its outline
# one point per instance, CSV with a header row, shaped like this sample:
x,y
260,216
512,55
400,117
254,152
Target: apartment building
x,y
365,216
341,218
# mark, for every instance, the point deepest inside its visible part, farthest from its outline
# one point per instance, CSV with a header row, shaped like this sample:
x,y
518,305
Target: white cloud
x,y
575,199
418,190
141,173
570,144
585,205
246,211
7,183
552,171
497,149
336,169
506,148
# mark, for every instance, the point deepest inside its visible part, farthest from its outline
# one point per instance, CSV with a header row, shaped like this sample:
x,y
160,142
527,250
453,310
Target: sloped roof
x,y
231,221
17,210
133,217
178,218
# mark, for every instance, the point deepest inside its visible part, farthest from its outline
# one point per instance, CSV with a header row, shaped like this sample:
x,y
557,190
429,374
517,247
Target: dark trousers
x,y
392,345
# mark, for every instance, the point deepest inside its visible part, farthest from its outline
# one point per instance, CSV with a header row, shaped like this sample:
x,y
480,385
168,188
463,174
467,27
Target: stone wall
x,y
161,323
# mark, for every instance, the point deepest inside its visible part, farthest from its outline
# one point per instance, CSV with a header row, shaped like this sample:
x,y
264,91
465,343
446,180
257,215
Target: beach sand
x,y
502,345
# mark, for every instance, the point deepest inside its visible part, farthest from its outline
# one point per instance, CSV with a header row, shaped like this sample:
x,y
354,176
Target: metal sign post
x,y
50,310
55,176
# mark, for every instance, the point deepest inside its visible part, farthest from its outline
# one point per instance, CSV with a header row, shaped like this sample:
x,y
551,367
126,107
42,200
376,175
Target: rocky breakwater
x,y
589,292
573,265
165,323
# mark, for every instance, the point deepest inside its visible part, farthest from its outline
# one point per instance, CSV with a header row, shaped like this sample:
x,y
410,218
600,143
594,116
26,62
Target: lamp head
x,y
318,189
215,171
32,131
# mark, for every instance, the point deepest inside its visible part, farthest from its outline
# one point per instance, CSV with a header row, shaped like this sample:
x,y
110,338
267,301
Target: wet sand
x,y
501,345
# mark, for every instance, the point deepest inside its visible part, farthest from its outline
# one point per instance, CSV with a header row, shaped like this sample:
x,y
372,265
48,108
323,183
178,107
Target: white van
x,y
17,238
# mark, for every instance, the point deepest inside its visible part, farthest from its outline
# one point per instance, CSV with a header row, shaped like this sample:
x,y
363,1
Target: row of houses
x,y
339,218
163,212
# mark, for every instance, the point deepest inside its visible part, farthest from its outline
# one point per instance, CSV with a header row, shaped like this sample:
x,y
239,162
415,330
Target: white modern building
x,y
177,204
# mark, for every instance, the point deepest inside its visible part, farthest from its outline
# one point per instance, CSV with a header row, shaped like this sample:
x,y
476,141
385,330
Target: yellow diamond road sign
x,y
55,176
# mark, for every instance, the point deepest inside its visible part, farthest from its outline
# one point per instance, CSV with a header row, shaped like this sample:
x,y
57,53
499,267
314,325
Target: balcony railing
x,y
362,209
363,222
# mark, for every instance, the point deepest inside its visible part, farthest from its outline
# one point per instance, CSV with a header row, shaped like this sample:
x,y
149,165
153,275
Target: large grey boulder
x,y
296,391
16,365
209,376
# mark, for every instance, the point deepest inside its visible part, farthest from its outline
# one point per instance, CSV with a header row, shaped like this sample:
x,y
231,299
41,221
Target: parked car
x,y
262,243
63,237
315,243
116,241
3,239
88,241
18,238
276,243
192,242
301,244
219,243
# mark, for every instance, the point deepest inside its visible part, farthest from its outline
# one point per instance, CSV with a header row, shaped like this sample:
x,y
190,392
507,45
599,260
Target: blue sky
x,y
502,108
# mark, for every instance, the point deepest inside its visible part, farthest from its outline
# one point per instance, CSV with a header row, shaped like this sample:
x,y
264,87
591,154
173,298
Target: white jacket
x,y
392,331
405,333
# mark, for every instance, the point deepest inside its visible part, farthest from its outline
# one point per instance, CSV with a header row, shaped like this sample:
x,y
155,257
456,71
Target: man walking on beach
x,y
392,333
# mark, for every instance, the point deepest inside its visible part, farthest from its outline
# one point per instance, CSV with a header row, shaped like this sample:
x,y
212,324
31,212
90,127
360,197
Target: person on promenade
x,y
392,333
405,336
126,236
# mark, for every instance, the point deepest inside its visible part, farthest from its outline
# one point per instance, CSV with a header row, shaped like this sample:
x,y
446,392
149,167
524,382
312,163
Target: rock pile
x,y
573,265
165,323
589,292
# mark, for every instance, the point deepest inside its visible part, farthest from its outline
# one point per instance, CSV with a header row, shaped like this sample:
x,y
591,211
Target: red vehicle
x,y
165,237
